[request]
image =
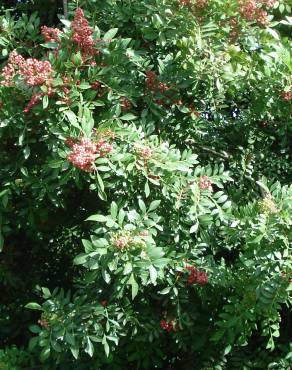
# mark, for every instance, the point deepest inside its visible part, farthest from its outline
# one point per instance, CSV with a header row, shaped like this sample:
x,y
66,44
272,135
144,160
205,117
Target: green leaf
x,y
35,329
45,354
33,343
81,259
135,287
106,346
50,45
154,205
97,218
66,23
46,293
194,228
72,118
121,216
222,199
89,347
142,206
157,21
26,152
128,268
56,163
263,186
165,290
45,101
153,274
128,117
75,352
147,189
87,246
70,339
1,242
227,350
114,210
110,34
34,306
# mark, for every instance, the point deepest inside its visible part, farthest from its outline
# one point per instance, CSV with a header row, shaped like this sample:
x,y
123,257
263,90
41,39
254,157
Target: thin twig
x,y
65,7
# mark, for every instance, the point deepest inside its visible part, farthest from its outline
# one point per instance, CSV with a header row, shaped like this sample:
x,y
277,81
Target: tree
x,y
157,135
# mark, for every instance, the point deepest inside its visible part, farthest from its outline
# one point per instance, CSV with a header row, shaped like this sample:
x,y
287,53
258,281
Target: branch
x,y
65,8
209,150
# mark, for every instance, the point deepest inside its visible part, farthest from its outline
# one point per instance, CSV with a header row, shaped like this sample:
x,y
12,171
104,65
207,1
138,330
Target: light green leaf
x,y
153,274
135,287
89,347
34,306
128,117
110,34
97,218
147,189
154,205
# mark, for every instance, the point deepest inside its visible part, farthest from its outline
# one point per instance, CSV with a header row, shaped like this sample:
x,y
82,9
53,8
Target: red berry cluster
x,y
82,34
285,276
35,99
50,34
205,183
104,303
286,95
234,29
96,85
43,323
167,325
125,104
156,87
201,3
184,2
85,151
153,83
196,276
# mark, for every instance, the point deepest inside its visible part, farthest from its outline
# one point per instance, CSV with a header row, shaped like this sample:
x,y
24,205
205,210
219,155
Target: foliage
x,y
148,144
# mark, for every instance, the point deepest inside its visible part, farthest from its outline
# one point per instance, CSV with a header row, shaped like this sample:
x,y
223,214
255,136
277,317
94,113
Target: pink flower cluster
x,y
36,72
251,10
33,71
82,34
146,152
50,34
85,151
122,242
196,277
205,183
